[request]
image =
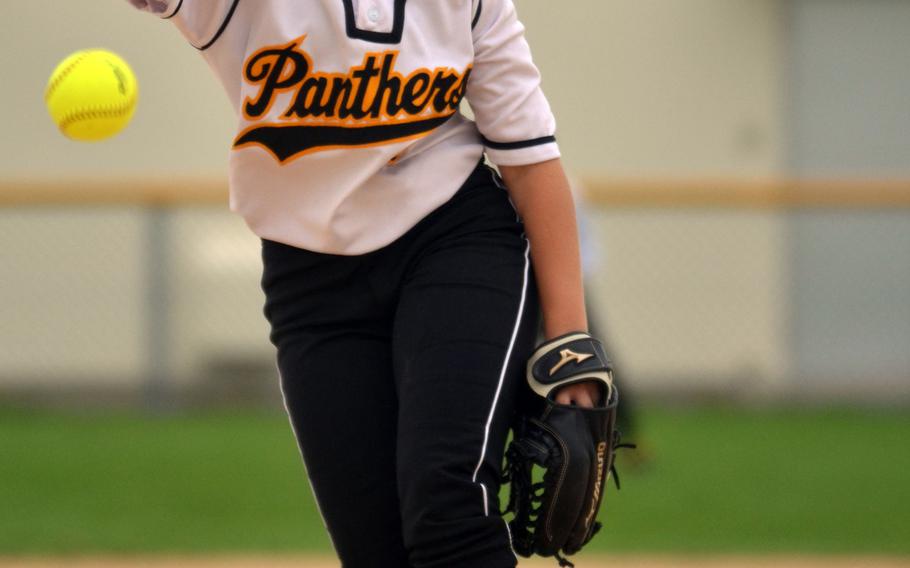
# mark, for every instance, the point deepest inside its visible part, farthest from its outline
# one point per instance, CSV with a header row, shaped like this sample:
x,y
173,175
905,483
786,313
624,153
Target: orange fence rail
x,y
625,193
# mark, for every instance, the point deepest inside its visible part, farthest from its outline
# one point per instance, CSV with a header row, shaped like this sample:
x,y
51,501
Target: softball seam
x,y
91,113
52,88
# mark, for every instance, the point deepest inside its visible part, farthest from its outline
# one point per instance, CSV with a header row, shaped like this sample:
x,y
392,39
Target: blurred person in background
x,y
594,257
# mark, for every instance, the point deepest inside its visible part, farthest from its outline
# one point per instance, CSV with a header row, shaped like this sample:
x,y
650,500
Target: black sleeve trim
x,y
476,14
174,13
517,145
224,25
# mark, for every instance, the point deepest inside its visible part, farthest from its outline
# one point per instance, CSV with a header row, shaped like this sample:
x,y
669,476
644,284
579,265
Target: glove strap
x,y
571,358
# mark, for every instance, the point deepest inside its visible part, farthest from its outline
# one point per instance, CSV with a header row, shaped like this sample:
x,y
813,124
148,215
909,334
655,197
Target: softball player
x,y
398,284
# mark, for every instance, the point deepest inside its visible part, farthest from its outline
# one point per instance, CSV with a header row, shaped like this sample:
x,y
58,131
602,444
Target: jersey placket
x,y
375,15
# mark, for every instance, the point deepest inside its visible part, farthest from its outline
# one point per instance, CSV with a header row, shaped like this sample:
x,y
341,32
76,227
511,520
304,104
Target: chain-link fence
x,y
161,302
123,302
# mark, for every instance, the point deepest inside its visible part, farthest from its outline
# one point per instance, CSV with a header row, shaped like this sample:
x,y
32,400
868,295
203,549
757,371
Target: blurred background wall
x,y
847,110
742,298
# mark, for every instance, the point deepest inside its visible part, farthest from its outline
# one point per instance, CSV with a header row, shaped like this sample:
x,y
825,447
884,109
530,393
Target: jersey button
x,y
373,14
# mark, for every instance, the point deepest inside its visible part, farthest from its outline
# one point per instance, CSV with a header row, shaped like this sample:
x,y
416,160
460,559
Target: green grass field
x,y
723,480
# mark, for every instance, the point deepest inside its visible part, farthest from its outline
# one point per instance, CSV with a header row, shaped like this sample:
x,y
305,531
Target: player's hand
x,y
587,394
572,438
154,6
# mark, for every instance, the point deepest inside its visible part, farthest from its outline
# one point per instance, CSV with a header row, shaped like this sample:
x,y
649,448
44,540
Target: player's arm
x,y
518,128
200,21
542,197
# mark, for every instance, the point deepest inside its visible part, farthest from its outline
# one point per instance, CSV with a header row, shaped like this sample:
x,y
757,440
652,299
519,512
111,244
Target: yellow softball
x,y
92,95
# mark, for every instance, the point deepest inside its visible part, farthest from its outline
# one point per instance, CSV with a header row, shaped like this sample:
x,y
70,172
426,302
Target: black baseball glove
x,y
574,446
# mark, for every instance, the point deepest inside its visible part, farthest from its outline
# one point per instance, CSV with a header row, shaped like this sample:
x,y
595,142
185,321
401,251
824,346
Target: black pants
x,y
400,370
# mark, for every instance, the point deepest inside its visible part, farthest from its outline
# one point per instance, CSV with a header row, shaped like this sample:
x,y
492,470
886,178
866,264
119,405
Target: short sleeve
x,y
512,113
200,21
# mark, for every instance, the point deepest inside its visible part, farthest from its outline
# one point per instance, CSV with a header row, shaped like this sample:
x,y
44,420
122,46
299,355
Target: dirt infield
x,y
583,562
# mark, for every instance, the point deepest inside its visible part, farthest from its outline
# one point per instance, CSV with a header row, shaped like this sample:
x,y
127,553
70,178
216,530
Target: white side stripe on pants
x,y
502,375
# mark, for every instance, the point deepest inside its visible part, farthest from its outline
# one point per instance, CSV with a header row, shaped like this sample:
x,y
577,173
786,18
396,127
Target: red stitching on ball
x,y
97,112
63,74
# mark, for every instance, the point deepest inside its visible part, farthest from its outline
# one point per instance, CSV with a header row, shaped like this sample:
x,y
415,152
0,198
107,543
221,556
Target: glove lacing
x,y
525,496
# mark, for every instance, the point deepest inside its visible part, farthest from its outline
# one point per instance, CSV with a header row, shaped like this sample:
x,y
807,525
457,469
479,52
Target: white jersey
x,y
349,125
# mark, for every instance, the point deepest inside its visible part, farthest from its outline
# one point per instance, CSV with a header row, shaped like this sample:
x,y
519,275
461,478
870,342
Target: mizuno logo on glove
x,y
569,355
598,484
